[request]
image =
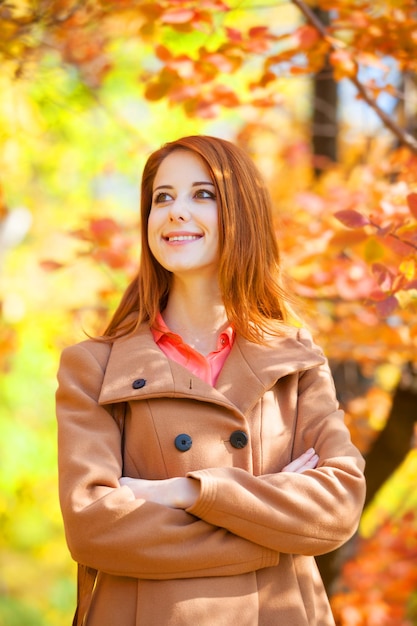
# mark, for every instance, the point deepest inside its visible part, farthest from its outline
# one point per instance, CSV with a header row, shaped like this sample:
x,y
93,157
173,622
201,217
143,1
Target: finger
x,y
301,462
311,464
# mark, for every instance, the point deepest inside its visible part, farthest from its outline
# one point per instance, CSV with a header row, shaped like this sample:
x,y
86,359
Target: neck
x,y
196,312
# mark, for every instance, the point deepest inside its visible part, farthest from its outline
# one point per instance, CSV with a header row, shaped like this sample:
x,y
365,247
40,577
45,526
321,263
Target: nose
x,y
179,211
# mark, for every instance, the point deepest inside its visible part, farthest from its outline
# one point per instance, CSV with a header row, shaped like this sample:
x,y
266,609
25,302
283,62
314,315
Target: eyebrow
x,y
197,184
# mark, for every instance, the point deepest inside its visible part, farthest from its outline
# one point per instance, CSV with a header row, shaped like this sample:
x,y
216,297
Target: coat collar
x,y
259,367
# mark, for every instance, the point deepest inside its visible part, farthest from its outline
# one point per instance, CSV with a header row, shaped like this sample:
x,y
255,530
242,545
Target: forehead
x,y
182,166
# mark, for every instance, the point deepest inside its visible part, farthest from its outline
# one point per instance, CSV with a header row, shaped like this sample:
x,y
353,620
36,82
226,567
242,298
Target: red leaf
x,y
383,276
351,218
215,5
259,31
49,265
412,203
221,62
178,16
101,230
387,306
306,36
233,34
225,96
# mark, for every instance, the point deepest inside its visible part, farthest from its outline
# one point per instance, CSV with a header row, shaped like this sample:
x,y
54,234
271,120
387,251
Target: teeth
x,y
183,238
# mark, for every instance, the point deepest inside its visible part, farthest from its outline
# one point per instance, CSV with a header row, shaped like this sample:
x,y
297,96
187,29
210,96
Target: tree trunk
x,y
395,440
387,453
324,116
407,105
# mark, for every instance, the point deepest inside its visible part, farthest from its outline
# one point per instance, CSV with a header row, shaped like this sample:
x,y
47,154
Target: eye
x,y
205,194
161,197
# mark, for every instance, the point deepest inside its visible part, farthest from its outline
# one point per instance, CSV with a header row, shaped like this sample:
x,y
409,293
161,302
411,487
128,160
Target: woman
x,y
203,459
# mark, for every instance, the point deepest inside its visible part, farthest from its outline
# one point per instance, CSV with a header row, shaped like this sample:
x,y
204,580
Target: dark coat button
x,y
239,439
183,442
139,383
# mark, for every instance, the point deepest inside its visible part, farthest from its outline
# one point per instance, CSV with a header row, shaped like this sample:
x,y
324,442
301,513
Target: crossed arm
x,y
183,492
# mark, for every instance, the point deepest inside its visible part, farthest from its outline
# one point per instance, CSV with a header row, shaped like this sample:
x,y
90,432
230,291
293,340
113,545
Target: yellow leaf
x,y
408,268
374,251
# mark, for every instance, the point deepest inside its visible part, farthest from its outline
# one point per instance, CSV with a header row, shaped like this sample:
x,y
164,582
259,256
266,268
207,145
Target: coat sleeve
x,y
106,528
309,513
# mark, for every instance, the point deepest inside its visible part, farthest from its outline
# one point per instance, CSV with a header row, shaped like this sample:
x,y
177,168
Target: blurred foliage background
x,y
323,96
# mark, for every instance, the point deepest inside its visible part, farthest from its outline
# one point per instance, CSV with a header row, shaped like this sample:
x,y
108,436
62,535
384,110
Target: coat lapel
x,y
260,366
248,372
138,358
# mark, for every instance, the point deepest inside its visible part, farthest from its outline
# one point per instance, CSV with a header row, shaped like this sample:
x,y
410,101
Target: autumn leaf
x,y
343,64
387,306
222,62
177,16
103,229
259,39
412,203
383,276
352,218
408,267
215,5
3,207
163,54
234,35
225,96
378,582
306,36
50,265
158,89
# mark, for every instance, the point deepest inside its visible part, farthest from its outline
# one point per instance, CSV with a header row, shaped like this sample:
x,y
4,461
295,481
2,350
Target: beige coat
x,y
243,554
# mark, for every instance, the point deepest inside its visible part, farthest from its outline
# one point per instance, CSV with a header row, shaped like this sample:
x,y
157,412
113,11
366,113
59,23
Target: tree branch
x,y
395,236
404,137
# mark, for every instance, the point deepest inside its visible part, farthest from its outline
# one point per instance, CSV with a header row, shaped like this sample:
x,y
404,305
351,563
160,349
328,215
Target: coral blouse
x,y
206,367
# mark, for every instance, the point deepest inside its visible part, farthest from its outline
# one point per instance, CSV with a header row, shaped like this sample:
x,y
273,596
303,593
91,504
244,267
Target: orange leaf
x,y
259,31
160,88
225,96
163,53
297,70
49,265
343,63
412,203
306,36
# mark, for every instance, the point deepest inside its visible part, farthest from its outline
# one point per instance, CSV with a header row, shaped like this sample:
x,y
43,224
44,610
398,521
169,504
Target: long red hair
x,y
249,264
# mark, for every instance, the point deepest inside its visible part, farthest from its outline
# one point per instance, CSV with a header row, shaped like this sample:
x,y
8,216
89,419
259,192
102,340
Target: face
x,y
183,230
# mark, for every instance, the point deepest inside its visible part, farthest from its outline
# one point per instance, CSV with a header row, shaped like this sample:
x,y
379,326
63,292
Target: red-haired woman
x,y
203,460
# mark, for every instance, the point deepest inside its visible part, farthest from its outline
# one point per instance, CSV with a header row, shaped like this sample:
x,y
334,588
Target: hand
x,y
177,493
306,461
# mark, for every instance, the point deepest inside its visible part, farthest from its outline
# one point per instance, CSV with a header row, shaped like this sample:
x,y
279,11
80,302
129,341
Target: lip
x,y
181,237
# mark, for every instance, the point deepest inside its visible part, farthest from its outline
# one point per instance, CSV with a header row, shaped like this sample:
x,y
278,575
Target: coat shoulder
x,y
294,339
88,349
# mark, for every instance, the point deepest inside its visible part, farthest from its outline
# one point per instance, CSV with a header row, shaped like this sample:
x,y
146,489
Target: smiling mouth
x,y
182,237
